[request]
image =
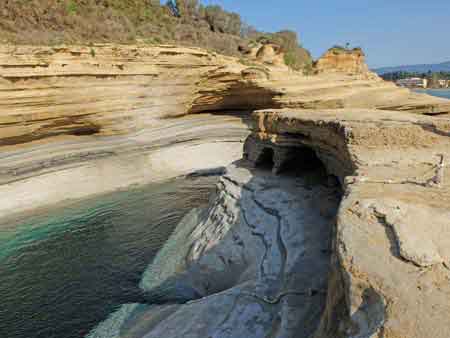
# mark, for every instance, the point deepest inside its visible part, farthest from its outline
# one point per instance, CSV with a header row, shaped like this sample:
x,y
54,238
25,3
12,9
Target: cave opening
x,y
304,162
301,160
294,161
266,159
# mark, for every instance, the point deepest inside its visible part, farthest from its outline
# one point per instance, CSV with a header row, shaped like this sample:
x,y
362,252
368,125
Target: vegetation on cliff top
x,y
185,22
337,49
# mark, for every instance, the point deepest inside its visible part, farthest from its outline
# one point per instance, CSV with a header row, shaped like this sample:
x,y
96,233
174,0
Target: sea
x,y
445,93
65,270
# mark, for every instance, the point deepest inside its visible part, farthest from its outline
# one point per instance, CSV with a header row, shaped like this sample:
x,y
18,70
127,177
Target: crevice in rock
x,y
393,241
263,240
86,130
280,243
316,161
75,126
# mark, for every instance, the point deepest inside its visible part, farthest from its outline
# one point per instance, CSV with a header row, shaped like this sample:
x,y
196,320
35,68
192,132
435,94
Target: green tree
x,y
433,80
295,56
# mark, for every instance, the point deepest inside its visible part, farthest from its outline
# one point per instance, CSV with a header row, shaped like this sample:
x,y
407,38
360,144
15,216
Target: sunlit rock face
x,y
81,120
119,89
343,60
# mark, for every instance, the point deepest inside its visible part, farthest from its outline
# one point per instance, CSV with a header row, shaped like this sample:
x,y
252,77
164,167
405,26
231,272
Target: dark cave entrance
x,y
289,160
299,161
266,159
304,162
295,162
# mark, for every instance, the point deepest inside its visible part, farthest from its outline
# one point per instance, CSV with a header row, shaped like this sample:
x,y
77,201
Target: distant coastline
x,y
421,81
423,68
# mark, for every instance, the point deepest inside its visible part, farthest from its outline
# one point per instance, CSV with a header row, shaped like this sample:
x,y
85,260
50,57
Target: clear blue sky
x,y
392,32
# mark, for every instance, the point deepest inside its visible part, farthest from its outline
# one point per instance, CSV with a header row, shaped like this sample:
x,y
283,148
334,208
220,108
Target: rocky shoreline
x,y
255,261
275,254
237,269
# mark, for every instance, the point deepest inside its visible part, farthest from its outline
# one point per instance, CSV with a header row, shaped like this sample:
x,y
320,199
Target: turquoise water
x,y
64,271
445,93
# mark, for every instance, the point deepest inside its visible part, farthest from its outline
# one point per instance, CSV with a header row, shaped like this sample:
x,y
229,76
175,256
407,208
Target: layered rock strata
x,y
116,89
71,117
71,167
76,121
80,120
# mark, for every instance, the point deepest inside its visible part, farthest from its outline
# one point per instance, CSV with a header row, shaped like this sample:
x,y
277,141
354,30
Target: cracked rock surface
x,y
254,264
390,264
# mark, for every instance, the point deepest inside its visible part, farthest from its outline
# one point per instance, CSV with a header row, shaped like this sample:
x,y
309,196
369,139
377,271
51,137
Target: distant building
x,y
413,82
444,83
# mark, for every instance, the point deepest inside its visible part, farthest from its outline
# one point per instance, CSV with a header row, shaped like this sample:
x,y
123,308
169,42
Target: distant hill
x,y
437,67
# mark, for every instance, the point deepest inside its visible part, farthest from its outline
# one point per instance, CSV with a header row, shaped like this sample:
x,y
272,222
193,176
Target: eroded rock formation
x,y
80,120
115,89
342,60
254,264
76,121
390,262
273,256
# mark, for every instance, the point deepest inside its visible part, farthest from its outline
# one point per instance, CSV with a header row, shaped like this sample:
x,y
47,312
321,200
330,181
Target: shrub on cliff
x,y
184,22
338,49
295,56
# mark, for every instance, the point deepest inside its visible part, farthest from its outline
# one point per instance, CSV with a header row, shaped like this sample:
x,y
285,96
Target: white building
x,y
413,82
444,83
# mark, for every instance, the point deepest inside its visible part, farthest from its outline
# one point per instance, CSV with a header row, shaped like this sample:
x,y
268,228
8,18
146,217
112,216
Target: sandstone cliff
x,y
117,89
80,120
338,59
68,111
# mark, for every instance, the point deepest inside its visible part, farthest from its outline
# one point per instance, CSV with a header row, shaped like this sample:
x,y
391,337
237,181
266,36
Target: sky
x,y
391,32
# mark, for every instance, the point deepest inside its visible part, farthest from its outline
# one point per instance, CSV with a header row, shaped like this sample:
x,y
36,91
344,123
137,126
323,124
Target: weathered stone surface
x,y
78,120
421,240
343,60
388,271
390,266
46,173
117,89
255,263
